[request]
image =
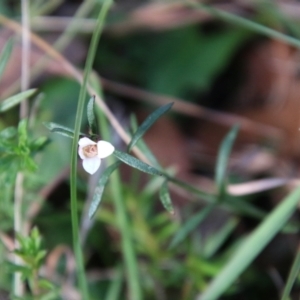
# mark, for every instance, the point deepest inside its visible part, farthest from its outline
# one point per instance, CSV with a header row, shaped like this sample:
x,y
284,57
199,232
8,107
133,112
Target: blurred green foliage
x,y
178,256
178,62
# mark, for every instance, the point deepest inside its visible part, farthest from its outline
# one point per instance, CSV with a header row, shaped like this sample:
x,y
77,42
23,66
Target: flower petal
x,y
80,152
91,165
83,142
105,149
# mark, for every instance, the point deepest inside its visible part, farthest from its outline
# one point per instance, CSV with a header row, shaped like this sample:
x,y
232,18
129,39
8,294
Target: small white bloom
x,y
91,153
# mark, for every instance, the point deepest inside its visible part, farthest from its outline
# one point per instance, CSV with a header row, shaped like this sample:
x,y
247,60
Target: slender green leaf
x,y
191,225
16,99
136,163
294,273
56,128
143,147
244,207
73,178
91,114
114,289
213,244
100,188
210,198
252,246
5,55
223,156
52,126
150,120
165,198
63,130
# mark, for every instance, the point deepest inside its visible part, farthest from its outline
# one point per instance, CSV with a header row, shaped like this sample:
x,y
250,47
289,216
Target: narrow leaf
x,y
63,133
16,99
136,163
252,246
190,225
223,156
91,114
244,207
215,241
142,145
100,188
63,130
150,120
294,273
115,288
165,198
5,55
149,154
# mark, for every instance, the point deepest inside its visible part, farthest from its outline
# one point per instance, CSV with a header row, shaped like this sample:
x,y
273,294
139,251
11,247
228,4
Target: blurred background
x,y
219,70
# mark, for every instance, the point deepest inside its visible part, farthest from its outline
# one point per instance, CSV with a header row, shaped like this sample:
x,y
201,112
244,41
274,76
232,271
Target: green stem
x,y
18,286
19,189
73,183
127,246
294,273
131,265
233,205
203,195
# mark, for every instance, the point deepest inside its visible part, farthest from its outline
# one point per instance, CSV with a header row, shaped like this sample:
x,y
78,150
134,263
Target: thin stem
x,y
127,246
203,195
79,113
25,77
293,274
233,205
19,192
130,259
18,285
248,24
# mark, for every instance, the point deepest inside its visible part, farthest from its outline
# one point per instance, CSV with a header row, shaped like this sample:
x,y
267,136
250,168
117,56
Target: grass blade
x,y
100,188
150,120
91,114
136,163
15,100
252,246
56,128
191,225
218,238
248,24
165,198
142,145
294,273
63,130
73,178
114,289
222,159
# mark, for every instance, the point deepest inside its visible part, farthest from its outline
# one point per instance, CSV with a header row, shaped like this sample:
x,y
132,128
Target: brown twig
x,y
191,109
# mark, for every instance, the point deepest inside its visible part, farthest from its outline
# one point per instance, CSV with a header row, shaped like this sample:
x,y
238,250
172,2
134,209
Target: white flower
x,y
91,153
